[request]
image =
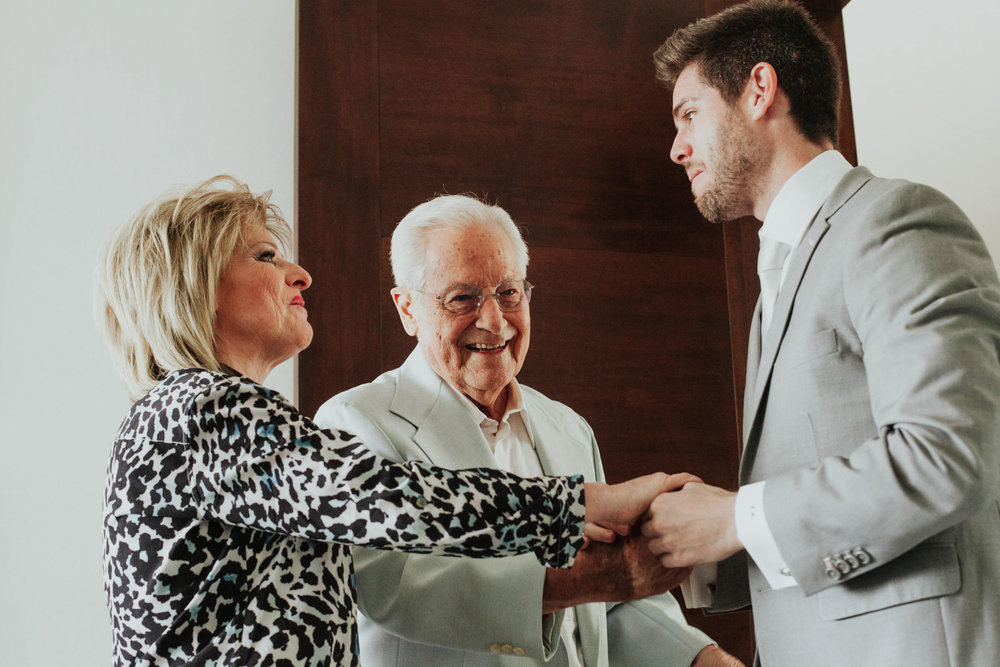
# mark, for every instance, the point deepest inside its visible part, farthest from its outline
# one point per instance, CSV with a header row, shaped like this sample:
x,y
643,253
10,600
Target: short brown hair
x,y
157,278
726,46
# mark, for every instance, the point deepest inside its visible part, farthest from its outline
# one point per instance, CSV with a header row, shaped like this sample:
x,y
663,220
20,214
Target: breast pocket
x,y
808,348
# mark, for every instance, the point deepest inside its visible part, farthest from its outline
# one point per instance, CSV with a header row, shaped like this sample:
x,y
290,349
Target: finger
x,y
599,533
658,547
623,529
678,480
671,561
648,530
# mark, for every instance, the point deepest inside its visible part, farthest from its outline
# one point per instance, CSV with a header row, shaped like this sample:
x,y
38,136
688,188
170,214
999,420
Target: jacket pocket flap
x,y
927,571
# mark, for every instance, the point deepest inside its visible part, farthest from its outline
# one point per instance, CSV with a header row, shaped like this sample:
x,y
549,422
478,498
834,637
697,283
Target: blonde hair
x,y
158,275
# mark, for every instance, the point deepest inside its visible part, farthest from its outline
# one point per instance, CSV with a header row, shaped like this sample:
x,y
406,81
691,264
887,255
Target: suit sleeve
x,y
255,461
922,298
460,604
653,633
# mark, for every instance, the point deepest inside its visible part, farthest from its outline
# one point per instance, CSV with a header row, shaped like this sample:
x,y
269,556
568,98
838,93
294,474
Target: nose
x,y
680,151
296,276
490,317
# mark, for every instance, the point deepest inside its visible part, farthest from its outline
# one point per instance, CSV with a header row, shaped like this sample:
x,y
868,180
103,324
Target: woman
x,y
226,511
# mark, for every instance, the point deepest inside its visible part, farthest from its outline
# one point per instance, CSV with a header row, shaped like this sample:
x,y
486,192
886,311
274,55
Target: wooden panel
x,y
641,346
338,204
551,107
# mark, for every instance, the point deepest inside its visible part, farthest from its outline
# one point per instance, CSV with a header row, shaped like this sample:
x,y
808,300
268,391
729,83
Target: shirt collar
x,y
801,197
515,405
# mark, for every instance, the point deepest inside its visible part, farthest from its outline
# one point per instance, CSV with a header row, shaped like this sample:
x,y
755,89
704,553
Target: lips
x,y
298,301
695,173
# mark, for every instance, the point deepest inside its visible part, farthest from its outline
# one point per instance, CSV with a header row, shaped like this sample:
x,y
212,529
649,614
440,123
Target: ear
x,y
762,89
404,306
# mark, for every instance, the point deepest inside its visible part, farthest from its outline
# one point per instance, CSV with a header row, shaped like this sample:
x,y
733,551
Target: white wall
x,y
926,97
103,105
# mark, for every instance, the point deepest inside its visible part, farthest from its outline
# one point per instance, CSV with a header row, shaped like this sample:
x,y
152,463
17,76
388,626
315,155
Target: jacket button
x,y
495,648
832,572
863,556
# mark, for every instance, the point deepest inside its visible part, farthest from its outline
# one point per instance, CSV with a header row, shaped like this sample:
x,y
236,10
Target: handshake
x,y
665,524
684,521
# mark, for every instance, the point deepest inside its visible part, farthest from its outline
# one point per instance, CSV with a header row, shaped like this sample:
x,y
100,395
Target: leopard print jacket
x,y
227,514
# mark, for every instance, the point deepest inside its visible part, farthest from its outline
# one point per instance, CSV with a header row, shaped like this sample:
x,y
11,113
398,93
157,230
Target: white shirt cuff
x,y
698,588
755,536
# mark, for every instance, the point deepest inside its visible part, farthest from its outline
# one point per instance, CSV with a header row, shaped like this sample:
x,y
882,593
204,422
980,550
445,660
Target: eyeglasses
x,y
463,299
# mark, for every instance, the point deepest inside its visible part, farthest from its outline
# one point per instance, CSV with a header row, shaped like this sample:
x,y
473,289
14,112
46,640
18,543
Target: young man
x,y
866,530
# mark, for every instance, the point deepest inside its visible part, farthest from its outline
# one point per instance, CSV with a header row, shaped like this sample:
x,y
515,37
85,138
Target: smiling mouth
x,y
483,347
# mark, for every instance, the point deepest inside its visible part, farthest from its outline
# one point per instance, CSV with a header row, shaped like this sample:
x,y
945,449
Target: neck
x,y
491,404
791,154
255,369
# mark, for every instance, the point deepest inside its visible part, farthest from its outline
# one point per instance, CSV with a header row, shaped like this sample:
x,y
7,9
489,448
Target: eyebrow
x,y
677,107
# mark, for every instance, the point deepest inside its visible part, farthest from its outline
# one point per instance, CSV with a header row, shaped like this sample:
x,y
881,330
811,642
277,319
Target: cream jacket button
x,y
495,648
507,648
519,651
785,572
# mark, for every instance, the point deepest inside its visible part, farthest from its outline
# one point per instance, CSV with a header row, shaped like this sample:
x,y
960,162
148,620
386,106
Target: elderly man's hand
x,y
713,656
627,570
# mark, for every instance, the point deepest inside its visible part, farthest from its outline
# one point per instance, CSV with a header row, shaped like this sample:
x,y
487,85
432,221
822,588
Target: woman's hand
x,y
614,508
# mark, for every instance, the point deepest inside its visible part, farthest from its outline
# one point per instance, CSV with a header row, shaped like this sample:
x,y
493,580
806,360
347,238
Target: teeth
x,y
483,346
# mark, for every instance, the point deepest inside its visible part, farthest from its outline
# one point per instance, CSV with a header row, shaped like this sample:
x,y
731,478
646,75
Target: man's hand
x,y
713,656
610,573
694,525
614,508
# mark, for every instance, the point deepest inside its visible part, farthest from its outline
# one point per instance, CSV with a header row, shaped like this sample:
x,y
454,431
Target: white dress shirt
x,y
787,221
513,448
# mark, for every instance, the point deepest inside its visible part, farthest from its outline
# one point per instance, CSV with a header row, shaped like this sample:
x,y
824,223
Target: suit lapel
x,y
762,353
753,363
557,454
445,433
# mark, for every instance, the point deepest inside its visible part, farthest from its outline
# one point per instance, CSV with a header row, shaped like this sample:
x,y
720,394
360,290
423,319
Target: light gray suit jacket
x,y
434,611
873,413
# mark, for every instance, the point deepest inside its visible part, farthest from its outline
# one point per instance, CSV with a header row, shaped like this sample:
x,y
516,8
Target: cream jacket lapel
x,y
444,430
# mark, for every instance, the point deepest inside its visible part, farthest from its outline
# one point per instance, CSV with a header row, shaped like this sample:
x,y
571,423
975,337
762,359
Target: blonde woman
x,y
226,511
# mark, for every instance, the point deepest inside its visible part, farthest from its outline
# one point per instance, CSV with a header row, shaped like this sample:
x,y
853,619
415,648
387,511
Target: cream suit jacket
x,y
873,413
437,612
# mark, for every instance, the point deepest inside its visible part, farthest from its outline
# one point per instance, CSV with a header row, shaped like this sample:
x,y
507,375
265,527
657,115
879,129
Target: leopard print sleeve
x,y
256,462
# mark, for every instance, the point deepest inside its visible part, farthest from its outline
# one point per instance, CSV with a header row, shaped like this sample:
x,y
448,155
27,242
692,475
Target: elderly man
x,y
459,267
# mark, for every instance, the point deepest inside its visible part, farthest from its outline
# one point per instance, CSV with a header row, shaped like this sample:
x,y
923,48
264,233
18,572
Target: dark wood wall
x,y
551,109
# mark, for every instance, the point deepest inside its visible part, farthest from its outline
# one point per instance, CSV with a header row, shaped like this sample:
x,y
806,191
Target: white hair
x,y
408,252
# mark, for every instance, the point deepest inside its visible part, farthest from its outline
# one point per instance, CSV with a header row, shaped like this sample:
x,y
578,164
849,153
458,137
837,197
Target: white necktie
x,y
770,261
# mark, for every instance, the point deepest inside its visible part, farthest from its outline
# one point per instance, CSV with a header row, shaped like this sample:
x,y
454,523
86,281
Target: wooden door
x,y
551,109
